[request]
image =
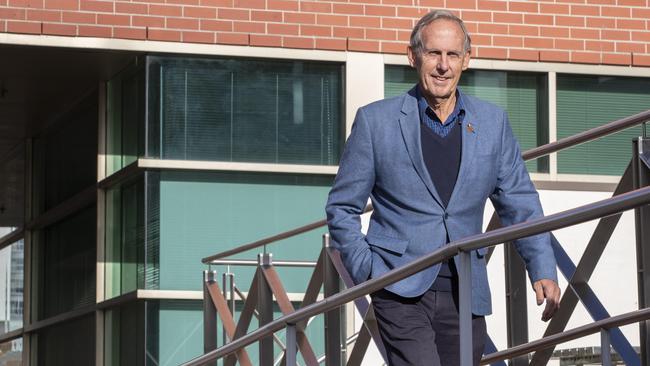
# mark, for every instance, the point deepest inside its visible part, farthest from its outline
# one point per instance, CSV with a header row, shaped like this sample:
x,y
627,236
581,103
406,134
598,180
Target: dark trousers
x,y
424,330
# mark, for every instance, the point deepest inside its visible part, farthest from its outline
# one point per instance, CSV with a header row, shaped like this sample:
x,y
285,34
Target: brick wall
x,y
613,32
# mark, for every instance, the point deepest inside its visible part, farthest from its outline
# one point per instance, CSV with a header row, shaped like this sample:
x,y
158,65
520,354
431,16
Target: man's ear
x,y
466,58
413,57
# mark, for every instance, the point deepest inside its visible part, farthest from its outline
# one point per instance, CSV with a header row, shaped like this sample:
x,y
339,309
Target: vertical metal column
x,y
227,285
209,314
465,308
292,346
641,174
516,306
265,309
605,348
334,319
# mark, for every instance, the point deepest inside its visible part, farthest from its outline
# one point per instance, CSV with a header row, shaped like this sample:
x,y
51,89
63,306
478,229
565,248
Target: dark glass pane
x,y
245,110
124,335
11,286
68,343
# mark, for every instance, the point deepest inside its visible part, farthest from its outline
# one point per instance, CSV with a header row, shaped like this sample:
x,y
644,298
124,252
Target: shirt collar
x,y
425,109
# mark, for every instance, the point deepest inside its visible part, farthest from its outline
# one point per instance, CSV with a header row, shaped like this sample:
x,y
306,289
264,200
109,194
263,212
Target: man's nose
x,y
443,63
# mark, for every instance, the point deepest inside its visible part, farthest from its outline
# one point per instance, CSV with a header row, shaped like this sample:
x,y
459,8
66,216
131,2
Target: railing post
x,y
641,176
291,346
465,308
605,349
516,305
227,281
265,309
334,327
209,314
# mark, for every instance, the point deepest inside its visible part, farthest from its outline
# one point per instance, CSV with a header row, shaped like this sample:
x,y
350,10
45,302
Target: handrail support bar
x,y
465,308
605,349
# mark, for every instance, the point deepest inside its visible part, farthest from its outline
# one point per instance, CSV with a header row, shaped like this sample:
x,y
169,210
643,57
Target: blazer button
x,y
446,216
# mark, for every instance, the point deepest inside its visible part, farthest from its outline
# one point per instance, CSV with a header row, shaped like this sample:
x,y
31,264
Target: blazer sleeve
x,y
516,200
348,198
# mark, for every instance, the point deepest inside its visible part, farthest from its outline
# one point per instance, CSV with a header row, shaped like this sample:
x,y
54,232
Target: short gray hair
x,y
416,34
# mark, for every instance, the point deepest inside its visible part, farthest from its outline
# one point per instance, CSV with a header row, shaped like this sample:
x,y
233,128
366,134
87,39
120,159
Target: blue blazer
x,y
383,160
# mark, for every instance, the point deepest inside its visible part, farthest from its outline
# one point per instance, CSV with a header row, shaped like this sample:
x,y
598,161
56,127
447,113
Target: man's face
x,y
442,59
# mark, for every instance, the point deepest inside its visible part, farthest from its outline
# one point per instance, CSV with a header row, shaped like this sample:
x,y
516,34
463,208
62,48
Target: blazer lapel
x,y
410,125
469,132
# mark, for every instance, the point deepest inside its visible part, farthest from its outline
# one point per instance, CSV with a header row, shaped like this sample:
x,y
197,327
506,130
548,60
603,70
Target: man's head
x,y
440,50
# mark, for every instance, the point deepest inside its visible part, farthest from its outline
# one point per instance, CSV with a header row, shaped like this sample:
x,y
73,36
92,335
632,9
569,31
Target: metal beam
x,y
642,224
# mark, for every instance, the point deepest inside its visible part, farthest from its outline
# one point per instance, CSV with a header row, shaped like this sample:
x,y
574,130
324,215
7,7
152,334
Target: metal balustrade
x,y
329,272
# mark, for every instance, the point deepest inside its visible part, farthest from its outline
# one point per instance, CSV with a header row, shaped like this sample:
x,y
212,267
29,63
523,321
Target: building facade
x,y
137,137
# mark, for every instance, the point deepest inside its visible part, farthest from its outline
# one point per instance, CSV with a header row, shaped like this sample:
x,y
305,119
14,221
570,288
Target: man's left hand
x,y
549,290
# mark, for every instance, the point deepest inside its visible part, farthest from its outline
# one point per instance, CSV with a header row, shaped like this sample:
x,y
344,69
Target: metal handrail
x,y
534,153
556,221
569,335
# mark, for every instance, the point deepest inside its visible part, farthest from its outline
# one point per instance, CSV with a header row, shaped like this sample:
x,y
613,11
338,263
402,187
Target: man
x,y
429,160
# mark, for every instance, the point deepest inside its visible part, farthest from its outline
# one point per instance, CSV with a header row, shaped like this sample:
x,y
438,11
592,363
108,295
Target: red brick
x,y
538,19
585,10
99,6
79,18
24,27
265,40
506,41
234,14
17,14
492,5
396,23
411,12
523,30
462,4
363,46
630,47
62,4
632,2
315,7
599,46
94,31
478,16
615,11
354,9
615,35
336,44
372,22
511,18
571,1
581,33
398,2
284,29
556,32
570,21
481,40
641,13
347,32
491,52
523,7
3,26
538,42
435,4
181,2
472,27
182,23
640,60
641,36
404,36
59,29
326,19
601,22
523,55
298,42
617,58
630,24
266,16
44,15
489,28
32,4
392,47
381,34
569,44
301,18
315,30
249,27
198,37
554,8
131,8
386,11
164,35
585,57
250,4
283,5
110,19
233,38
216,25
130,33
199,12
602,2
166,10
147,21
554,56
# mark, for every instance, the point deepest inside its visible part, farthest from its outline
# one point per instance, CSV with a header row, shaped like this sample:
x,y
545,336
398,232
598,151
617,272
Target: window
x,y
11,285
69,343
